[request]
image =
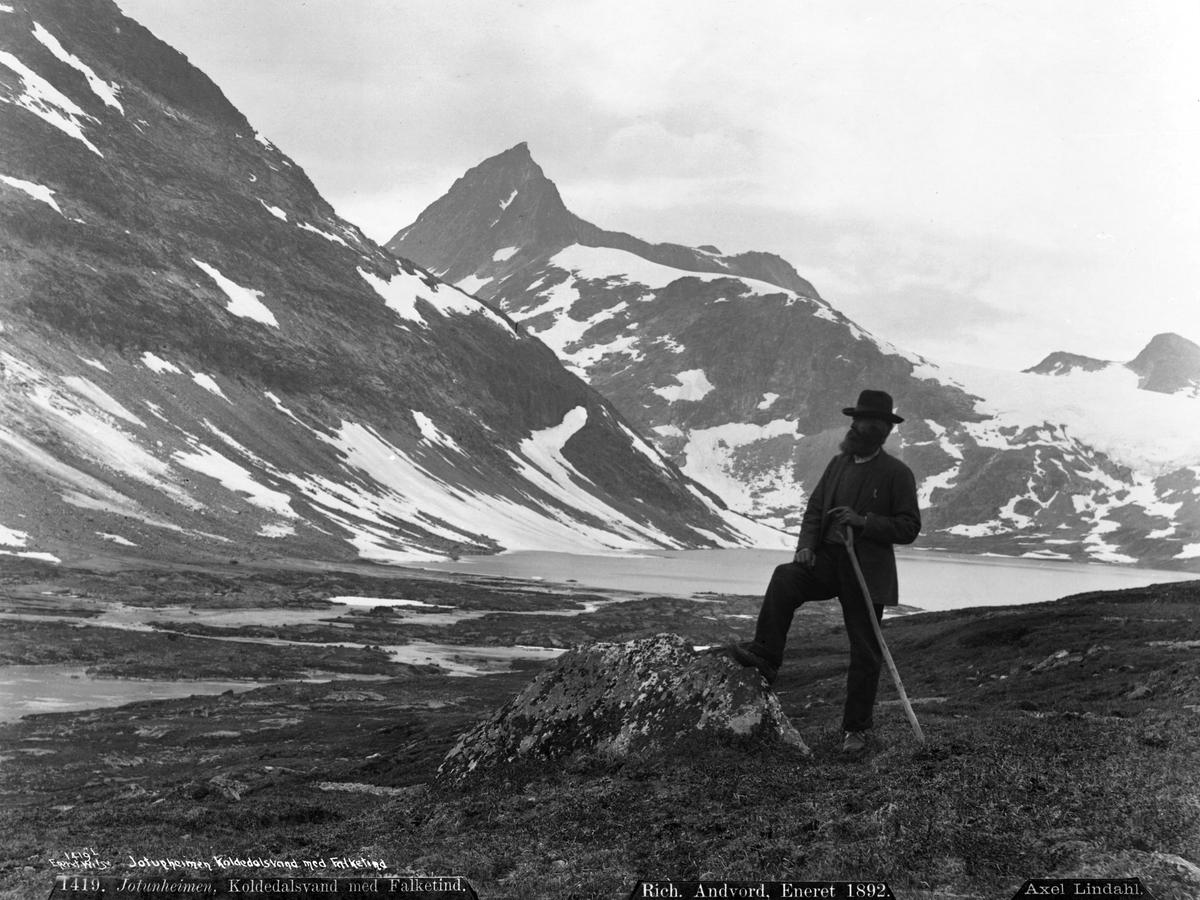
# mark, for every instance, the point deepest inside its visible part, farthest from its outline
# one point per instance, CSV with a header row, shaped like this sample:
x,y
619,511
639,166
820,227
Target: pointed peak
x,y
518,154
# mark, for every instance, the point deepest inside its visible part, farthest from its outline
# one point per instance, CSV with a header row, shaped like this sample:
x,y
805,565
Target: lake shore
x,y
929,579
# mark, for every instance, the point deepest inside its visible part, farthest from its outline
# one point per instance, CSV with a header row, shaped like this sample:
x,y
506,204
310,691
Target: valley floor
x,y
1062,740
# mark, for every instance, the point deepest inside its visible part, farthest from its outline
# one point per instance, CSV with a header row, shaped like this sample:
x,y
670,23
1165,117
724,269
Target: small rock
x,y
1142,690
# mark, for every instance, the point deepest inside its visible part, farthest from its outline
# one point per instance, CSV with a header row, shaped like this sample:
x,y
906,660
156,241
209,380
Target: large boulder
x,y
626,699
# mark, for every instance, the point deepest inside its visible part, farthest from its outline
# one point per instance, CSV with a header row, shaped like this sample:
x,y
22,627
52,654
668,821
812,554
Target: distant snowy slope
x,y
1104,408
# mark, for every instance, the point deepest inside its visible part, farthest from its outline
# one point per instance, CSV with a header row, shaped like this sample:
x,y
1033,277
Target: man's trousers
x,y
832,575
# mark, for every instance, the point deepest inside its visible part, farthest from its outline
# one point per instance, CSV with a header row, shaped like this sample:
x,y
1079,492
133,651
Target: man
x,y
875,494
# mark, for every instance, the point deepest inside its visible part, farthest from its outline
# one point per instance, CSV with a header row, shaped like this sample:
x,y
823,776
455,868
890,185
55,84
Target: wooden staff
x,y
862,582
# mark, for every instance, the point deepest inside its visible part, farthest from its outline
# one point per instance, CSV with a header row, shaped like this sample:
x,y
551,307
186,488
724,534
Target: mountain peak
x,y
1062,363
504,213
505,202
1169,363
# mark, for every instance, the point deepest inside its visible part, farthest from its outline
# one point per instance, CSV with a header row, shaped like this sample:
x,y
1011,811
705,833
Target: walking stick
x,y
862,582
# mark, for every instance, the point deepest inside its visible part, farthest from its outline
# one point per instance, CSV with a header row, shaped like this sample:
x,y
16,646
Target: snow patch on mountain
x,y
435,435
243,302
116,539
102,89
34,190
283,409
693,385
234,478
945,478
754,532
555,475
582,360
93,434
158,365
503,253
11,538
273,210
768,400
565,332
99,397
712,457
462,515
207,382
644,448
401,292
325,234
472,283
606,263
48,103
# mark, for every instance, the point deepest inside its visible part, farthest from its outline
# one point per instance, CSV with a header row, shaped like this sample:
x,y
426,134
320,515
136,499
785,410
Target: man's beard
x,y
857,443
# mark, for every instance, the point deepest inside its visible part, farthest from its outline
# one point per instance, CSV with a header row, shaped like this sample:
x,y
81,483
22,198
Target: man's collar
x,y
859,460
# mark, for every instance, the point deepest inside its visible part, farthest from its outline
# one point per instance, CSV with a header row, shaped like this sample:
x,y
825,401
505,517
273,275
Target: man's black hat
x,y
874,405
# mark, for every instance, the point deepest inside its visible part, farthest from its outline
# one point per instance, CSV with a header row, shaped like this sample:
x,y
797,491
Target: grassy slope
x,y
1035,765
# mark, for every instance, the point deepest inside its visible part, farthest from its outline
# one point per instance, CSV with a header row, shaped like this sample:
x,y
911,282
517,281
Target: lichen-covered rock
x,y
645,695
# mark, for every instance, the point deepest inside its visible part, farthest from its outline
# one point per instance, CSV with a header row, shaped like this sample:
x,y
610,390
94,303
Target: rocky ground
x,y
1061,740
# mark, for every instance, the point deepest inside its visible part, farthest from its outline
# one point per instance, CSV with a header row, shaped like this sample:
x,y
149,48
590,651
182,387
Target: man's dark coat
x,y
888,500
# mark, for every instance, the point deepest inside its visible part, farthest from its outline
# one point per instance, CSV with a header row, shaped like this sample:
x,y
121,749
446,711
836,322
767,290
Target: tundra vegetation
x,y
1061,740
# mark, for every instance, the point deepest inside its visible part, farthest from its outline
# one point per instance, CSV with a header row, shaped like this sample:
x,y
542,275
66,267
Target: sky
x,y
978,182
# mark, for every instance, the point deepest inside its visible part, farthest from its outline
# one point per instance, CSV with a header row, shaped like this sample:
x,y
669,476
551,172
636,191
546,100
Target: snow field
x,y
1147,431
711,458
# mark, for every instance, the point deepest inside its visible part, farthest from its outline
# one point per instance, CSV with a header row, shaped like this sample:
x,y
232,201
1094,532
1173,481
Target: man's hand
x,y
804,557
844,515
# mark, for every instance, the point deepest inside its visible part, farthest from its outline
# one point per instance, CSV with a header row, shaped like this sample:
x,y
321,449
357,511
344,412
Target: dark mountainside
x,y
738,370
1169,363
199,358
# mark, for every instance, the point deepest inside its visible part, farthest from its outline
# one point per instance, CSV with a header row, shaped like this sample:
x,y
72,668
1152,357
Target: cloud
x,y
933,162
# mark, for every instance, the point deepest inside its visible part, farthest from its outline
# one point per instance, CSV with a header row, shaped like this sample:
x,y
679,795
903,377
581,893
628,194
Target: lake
x,y
46,689
929,580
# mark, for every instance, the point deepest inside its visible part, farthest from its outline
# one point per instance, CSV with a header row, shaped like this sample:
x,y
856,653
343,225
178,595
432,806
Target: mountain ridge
x,y
1168,364
741,381
536,204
